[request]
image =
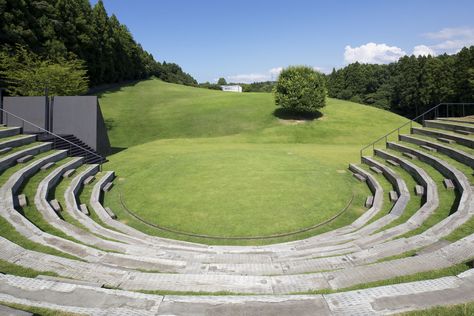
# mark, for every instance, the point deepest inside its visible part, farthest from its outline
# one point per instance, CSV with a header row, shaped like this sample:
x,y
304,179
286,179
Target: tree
x,y
27,74
221,82
300,89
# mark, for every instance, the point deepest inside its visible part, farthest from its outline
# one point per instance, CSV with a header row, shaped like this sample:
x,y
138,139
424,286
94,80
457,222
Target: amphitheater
x,y
114,269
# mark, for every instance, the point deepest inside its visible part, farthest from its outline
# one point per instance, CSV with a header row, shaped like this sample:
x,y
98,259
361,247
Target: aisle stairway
x,y
99,262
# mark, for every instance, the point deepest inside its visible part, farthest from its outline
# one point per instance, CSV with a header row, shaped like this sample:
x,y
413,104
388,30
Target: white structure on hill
x,y
231,88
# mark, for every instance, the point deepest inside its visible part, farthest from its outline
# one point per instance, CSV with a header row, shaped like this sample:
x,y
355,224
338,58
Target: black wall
x,y
77,115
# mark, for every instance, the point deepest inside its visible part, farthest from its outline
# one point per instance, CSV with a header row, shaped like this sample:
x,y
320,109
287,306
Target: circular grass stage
x,y
242,190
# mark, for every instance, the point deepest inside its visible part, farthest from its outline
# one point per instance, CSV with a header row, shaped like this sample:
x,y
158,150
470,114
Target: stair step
x,y
445,140
419,190
376,170
393,162
5,150
463,132
55,205
111,214
393,196
109,185
448,184
359,177
22,202
89,180
48,165
409,155
84,209
369,201
69,173
426,147
24,159
69,281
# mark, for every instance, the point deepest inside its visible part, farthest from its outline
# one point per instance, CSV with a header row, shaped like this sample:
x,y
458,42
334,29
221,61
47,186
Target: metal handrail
x,y
422,115
55,135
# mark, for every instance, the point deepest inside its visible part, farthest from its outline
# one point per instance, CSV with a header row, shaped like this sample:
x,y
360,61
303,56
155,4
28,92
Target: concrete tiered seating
x,y
116,255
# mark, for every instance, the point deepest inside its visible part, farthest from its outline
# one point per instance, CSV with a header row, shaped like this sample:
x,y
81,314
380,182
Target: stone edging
x,y
124,206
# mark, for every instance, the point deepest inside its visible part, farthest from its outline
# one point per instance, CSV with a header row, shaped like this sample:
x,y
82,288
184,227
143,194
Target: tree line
x,y
74,30
409,86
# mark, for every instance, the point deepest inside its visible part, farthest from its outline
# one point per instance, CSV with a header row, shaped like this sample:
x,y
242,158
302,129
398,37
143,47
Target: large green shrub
x,y
300,89
28,74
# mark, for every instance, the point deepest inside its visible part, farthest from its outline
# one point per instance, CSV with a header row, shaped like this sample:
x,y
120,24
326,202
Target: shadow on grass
x,y
115,150
113,87
287,114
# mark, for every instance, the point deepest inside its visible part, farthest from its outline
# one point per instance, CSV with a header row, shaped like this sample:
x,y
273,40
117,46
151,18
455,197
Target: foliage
x,y
27,74
265,86
221,82
208,85
300,89
53,29
409,86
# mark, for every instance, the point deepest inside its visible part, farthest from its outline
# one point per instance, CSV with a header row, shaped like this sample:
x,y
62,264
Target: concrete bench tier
x,y
48,165
376,170
22,202
69,173
462,140
419,190
448,184
408,155
462,132
18,141
109,185
359,177
393,195
55,205
111,214
84,209
10,159
369,201
428,148
383,300
4,150
10,131
449,126
393,163
25,159
8,311
89,180
446,140
454,153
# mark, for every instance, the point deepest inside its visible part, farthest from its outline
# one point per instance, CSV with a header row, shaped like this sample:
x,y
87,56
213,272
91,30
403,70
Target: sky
x,y
252,40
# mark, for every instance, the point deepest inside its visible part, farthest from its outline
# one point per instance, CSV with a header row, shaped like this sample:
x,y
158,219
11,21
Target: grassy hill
x,y
221,164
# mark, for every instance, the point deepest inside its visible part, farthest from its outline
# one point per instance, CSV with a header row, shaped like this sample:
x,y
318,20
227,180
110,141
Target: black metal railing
x,y
440,110
35,129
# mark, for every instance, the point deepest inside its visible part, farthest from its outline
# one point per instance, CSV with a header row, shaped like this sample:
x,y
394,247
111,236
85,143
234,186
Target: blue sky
x,y
249,41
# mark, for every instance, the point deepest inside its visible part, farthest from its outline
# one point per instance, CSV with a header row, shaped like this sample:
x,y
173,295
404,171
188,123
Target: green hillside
x,y
221,164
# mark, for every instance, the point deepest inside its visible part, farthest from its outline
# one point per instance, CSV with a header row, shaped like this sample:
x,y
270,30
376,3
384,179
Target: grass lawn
x,y
221,164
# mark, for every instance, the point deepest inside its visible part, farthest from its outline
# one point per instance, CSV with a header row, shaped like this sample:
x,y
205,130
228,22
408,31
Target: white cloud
x,y
275,71
452,39
373,53
271,74
423,50
249,78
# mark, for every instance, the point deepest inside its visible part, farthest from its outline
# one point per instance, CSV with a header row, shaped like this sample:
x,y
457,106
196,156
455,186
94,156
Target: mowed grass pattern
x,y
222,164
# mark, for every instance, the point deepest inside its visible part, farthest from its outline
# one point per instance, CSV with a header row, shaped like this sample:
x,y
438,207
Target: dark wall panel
x,y
32,109
77,116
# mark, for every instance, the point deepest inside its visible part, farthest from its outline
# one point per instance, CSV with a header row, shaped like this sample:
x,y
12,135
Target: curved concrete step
x,y
454,153
466,141
449,125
